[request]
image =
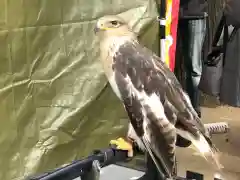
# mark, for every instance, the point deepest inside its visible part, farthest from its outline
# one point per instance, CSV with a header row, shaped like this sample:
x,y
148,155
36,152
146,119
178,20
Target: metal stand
x,y
87,169
93,173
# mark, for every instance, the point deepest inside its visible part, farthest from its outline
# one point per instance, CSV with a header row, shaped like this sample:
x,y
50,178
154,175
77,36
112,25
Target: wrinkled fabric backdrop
x,y
55,104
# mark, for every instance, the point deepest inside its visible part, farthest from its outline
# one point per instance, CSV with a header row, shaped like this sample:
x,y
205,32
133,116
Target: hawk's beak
x,y
96,29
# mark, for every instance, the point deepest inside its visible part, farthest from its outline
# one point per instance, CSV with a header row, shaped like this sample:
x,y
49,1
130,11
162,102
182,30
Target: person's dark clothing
x,y
191,31
192,9
192,34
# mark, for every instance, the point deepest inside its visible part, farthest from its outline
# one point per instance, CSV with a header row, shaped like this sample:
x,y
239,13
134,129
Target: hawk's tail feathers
x,y
208,150
205,146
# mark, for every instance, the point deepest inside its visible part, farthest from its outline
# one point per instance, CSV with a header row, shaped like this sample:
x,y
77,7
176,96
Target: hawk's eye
x,y
114,23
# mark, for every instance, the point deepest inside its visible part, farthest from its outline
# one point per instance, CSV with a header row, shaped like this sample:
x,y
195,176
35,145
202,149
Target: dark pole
x,y
162,25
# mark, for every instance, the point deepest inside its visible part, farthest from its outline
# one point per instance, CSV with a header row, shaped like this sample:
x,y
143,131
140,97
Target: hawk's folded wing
x,y
139,88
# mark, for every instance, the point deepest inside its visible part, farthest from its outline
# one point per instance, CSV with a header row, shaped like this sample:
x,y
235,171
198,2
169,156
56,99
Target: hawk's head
x,y
112,26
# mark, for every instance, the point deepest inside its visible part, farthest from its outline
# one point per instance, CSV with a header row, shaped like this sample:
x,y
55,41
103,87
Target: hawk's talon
x,y
124,145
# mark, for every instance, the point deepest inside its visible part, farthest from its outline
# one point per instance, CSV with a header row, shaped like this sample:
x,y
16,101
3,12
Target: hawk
x,y
154,100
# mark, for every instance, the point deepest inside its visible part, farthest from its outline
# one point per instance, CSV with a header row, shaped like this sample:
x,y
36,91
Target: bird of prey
x,y
154,100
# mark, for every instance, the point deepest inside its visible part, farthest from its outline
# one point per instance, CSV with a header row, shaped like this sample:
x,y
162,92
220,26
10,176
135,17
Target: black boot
x,y
195,96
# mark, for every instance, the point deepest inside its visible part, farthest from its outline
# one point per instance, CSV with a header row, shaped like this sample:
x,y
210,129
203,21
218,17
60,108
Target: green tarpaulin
x,y
55,104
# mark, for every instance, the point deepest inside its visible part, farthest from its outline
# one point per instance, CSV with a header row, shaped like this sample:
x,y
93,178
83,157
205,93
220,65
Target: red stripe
x,y
173,31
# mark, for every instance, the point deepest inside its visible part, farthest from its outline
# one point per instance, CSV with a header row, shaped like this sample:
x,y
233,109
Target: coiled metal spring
x,y
217,128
